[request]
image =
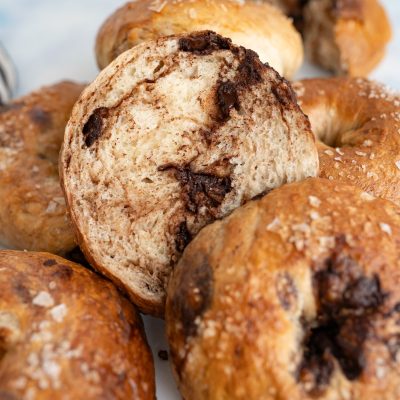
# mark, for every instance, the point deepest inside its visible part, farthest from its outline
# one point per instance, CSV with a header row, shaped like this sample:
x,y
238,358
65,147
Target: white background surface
x,y
51,40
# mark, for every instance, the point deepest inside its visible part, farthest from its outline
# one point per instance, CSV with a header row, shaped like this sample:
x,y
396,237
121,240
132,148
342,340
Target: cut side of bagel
x,y
174,134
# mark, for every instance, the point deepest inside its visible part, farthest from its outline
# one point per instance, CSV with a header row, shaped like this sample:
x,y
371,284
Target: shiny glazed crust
x,y
260,27
292,297
32,207
357,123
67,334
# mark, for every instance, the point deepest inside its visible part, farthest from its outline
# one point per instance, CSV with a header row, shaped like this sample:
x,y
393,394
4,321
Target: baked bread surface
x,y
348,37
32,207
294,296
67,334
260,27
357,123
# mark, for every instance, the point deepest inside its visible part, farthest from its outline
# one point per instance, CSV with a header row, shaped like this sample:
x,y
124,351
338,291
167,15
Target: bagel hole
x,y
347,303
332,130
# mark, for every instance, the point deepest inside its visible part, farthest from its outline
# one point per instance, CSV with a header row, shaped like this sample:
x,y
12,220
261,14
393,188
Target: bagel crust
x,y
259,27
65,333
357,123
292,297
348,37
32,206
171,136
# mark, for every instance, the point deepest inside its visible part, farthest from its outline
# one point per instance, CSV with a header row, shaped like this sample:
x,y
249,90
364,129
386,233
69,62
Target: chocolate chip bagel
x,y
174,134
292,297
32,207
67,334
357,123
348,37
260,27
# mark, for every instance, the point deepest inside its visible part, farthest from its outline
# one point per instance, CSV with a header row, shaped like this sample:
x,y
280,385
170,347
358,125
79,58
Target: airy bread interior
x,y
172,135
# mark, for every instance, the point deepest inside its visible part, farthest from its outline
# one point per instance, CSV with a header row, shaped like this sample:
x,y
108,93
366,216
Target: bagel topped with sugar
x,y
172,135
357,124
260,27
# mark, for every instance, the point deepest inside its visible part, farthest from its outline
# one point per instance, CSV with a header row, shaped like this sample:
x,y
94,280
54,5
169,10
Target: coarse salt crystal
x,y
385,228
274,224
43,299
59,312
314,201
366,196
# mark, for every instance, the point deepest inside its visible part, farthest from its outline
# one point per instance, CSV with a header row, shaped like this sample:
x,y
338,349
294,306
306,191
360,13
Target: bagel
x,y
292,8
67,334
294,296
32,207
345,37
357,123
259,27
172,135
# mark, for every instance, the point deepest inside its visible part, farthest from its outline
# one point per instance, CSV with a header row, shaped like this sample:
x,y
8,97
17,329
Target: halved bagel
x,y
174,134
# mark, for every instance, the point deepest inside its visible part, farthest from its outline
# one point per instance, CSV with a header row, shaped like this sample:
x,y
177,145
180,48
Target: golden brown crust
x,y
32,212
258,26
67,334
292,297
358,123
346,36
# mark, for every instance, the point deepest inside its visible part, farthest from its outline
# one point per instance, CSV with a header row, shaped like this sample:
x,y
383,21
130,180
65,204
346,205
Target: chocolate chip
x,y
227,98
40,117
203,190
203,43
317,366
50,263
284,93
363,293
347,302
194,294
92,130
200,190
183,237
249,69
163,355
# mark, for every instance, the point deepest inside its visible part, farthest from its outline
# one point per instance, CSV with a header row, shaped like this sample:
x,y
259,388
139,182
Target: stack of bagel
x,y
194,181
